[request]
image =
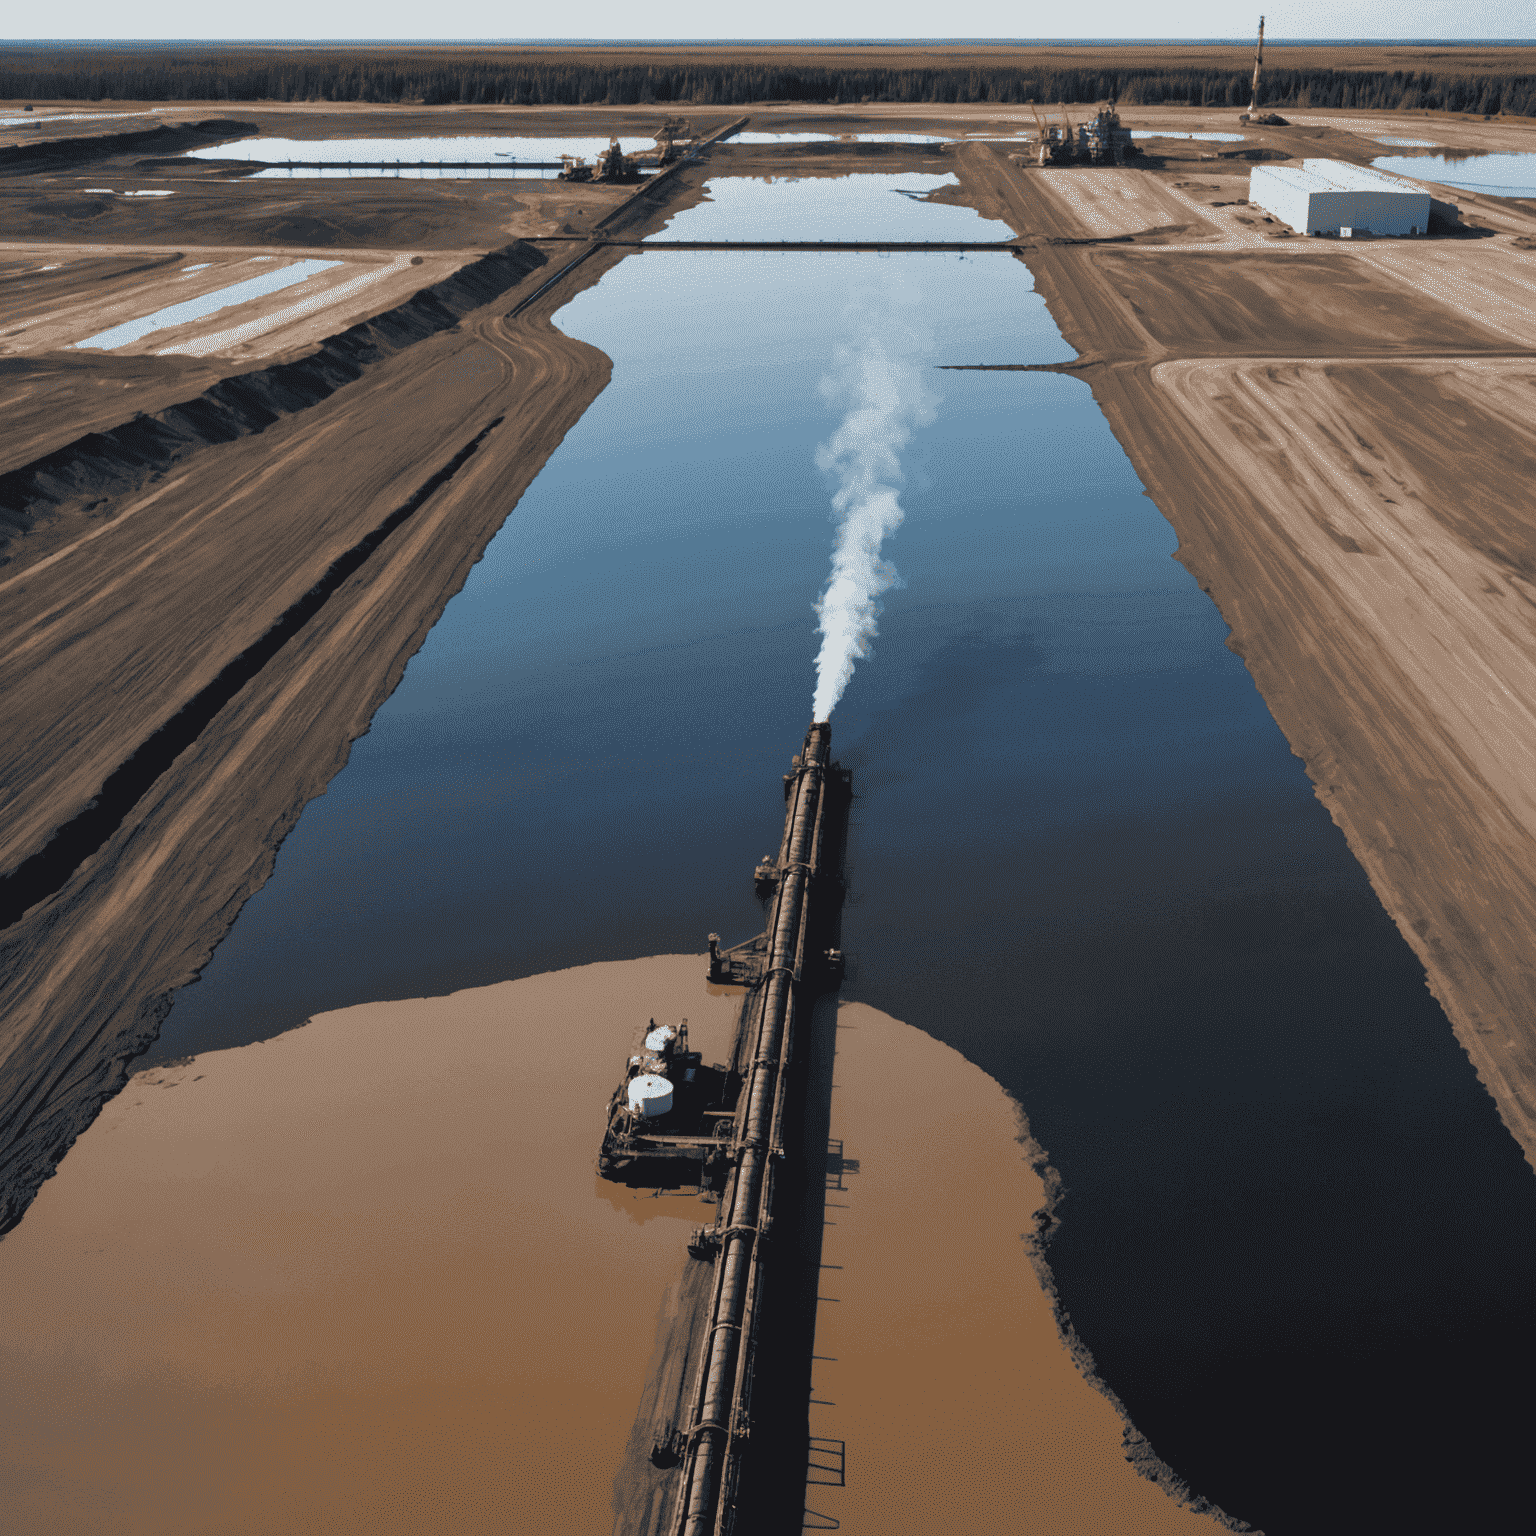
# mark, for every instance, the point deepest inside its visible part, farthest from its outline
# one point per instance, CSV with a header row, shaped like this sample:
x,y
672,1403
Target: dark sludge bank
x,y
750,1135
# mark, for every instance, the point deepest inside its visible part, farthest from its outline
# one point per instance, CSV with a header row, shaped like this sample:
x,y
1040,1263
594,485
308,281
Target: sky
x,y
385,19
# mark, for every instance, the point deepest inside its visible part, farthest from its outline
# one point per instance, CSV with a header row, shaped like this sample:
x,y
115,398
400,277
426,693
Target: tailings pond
x,y
1293,1231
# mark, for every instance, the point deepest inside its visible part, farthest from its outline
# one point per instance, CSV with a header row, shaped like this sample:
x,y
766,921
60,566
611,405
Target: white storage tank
x,y
660,1038
1321,197
650,1095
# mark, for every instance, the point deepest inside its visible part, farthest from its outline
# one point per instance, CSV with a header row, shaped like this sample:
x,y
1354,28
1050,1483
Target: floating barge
x,y
671,1122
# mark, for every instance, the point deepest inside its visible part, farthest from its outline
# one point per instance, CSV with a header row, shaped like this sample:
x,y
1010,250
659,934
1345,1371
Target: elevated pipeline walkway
x,y
792,963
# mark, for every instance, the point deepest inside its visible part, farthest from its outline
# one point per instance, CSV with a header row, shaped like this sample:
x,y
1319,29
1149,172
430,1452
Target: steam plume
x,y
880,384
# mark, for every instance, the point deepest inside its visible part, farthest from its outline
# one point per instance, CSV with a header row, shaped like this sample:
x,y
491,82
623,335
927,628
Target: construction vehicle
x,y
612,165
1056,145
674,128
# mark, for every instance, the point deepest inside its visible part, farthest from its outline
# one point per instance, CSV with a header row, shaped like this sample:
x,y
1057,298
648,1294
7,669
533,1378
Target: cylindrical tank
x,y
660,1038
650,1095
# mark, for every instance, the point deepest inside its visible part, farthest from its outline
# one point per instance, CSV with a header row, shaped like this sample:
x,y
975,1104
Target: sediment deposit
x,y
1005,1432
361,1277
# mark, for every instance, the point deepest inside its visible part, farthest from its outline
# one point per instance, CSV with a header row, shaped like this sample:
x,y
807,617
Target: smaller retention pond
x,y
500,157
1505,173
205,304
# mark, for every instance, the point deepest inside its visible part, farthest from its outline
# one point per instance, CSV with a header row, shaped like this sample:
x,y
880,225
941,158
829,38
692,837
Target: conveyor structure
x,y
795,965
784,969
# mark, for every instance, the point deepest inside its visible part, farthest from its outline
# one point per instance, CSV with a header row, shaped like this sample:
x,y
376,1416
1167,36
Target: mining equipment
x,y
1102,141
1258,64
1068,137
612,165
1253,115
672,1121
666,149
1055,145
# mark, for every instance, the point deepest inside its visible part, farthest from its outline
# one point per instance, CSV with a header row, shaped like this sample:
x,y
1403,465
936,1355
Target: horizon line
x,y
786,42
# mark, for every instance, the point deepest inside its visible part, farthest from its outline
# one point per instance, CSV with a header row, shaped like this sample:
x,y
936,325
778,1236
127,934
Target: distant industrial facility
x,y
1100,141
1329,197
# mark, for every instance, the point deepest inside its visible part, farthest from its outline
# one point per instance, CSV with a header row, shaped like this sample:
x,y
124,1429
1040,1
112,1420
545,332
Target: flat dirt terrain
x,y
1341,433
175,503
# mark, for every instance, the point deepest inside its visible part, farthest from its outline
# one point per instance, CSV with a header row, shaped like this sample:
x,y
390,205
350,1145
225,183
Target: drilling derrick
x,y
1258,62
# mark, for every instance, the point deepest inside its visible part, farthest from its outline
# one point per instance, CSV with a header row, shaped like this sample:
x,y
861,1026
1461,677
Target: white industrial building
x,y
1328,197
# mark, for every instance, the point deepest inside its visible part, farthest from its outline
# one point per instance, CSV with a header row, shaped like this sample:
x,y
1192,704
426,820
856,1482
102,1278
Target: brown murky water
x,y
362,1278
359,1278
942,1388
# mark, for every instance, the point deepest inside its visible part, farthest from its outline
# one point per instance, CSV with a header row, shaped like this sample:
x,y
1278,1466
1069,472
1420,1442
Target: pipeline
x,y
718,1419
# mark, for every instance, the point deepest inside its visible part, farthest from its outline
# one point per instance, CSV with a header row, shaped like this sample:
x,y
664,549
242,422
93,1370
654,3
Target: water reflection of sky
x,y
864,207
1158,133
206,304
1506,173
461,147
636,648
37,120
749,137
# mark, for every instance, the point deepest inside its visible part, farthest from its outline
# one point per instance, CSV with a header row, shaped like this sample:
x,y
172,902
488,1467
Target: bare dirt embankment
x,y
77,150
146,618
378,499
1342,439
122,459
233,585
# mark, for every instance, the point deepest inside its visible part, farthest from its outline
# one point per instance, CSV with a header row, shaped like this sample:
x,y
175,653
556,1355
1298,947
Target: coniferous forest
x,y
1482,79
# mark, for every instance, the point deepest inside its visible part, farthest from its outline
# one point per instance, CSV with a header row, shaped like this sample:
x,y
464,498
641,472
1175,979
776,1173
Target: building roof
x,y
1343,177
1304,180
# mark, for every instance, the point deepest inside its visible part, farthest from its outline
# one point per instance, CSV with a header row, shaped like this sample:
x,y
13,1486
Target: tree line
x,y
490,77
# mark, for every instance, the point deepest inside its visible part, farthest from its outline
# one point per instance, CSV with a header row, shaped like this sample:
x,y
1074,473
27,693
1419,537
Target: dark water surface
x,y
1294,1233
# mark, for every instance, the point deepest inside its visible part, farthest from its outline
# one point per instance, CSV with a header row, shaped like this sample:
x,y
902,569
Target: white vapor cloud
x,y
880,382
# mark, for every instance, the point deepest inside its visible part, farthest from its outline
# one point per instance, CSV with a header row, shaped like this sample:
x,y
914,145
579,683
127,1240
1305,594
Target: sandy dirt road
x,y
1343,440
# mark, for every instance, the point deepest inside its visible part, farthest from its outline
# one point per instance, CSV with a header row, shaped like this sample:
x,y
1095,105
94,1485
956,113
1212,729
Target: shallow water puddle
x,y
501,156
206,304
